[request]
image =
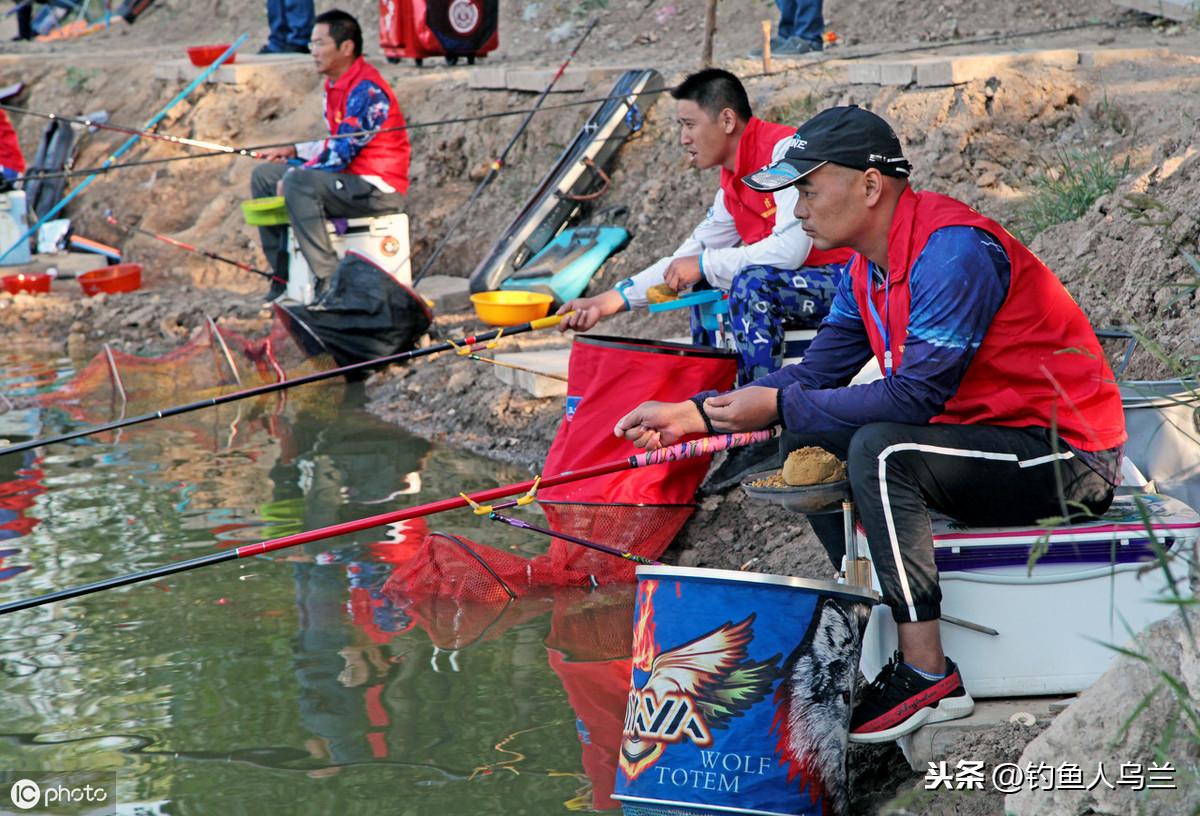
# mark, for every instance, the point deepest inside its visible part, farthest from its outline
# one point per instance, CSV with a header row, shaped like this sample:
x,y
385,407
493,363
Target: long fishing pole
x,y
154,120
682,450
270,388
498,163
166,239
582,542
216,147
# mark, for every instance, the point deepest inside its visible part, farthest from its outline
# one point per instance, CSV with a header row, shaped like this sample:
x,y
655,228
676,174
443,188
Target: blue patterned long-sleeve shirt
x,y
367,108
957,284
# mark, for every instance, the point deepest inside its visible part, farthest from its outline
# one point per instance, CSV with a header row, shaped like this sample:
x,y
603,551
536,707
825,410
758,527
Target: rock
x,y
1093,732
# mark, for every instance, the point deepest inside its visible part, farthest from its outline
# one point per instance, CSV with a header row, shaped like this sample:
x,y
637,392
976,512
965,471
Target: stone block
x,y
1171,9
238,73
553,361
447,293
863,73
930,743
1103,57
957,70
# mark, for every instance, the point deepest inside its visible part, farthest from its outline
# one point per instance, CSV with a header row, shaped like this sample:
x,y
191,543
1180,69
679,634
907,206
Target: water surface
x,y
287,684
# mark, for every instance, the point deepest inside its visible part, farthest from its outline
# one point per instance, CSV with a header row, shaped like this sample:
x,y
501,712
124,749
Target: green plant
x,y
77,78
1064,190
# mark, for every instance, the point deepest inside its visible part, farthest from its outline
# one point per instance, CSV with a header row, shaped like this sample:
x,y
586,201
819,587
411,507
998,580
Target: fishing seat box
x,y
382,238
417,29
1092,582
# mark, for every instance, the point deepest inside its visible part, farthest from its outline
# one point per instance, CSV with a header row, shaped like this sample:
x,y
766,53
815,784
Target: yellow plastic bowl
x,y
265,212
511,307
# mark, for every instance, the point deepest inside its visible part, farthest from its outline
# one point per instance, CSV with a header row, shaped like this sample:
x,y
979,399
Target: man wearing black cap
x,y
996,406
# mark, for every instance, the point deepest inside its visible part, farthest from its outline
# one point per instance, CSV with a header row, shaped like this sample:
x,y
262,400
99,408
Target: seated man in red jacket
x,y
996,406
749,244
346,177
12,162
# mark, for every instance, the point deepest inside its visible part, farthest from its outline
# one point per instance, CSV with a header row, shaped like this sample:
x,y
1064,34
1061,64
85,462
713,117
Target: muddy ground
x,y
987,142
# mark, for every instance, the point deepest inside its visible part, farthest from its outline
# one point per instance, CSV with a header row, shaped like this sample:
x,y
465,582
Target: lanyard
x,y
882,325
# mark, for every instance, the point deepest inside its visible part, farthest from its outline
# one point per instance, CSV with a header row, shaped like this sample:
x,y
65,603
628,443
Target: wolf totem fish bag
x,y
416,29
638,511
368,313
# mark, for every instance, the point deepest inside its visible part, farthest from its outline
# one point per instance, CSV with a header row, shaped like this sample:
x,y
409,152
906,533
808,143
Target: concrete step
x,y
448,294
535,80
240,72
1179,10
930,743
549,361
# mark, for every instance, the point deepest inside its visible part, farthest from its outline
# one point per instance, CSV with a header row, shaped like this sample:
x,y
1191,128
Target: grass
x,y
1065,190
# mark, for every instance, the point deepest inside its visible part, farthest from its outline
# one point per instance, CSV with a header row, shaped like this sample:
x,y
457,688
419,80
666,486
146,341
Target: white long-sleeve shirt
x,y
722,254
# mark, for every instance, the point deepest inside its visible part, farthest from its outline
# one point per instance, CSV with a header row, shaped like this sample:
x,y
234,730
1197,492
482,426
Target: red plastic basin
x,y
112,279
202,55
27,282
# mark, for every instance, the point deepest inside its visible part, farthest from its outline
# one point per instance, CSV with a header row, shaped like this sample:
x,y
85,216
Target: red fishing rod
x,y
682,450
166,239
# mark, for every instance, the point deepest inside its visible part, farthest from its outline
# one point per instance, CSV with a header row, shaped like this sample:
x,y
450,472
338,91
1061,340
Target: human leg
x,y
264,182
807,22
314,195
765,299
978,474
298,16
787,17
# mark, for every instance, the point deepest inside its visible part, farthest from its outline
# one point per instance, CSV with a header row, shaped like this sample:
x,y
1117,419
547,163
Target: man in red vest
x,y
996,406
347,177
12,162
749,244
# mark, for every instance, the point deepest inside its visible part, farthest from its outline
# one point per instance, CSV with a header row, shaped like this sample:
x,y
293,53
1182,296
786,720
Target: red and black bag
x,y
416,29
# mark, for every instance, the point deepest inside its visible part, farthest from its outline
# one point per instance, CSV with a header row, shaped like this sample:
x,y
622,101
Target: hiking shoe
x,y
900,701
740,463
777,42
322,296
796,47
278,290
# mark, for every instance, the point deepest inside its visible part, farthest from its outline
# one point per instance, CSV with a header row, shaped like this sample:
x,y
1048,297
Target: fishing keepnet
x,y
638,511
215,361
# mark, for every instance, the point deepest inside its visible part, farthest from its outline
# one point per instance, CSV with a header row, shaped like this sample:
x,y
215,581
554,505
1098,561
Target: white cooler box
x,y
1092,581
382,238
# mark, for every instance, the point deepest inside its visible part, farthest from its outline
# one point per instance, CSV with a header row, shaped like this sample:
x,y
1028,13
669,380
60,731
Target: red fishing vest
x,y
754,212
387,154
10,147
1040,363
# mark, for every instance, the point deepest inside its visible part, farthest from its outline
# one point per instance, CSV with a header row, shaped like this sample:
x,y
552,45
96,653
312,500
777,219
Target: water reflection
x,y
291,683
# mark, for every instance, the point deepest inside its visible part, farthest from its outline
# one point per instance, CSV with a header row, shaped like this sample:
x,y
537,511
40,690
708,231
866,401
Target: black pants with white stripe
x,y
982,475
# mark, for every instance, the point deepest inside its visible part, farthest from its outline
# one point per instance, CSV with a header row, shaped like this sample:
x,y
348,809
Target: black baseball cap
x,y
849,136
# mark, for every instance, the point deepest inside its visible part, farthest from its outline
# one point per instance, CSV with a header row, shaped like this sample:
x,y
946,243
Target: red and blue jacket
x,y
968,326
361,100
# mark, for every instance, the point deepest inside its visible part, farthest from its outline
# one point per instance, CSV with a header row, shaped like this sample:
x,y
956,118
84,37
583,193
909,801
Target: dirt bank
x,y
988,142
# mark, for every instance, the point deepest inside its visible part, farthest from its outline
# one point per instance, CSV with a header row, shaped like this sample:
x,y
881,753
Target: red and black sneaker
x,y
900,701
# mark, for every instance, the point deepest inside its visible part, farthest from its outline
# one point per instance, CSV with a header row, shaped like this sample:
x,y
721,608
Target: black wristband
x,y
779,408
708,426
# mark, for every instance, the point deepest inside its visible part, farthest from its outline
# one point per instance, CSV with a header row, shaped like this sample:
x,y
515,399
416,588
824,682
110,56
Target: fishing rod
x,y
110,218
270,388
498,163
827,56
582,542
216,147
682,450
154,120
496,362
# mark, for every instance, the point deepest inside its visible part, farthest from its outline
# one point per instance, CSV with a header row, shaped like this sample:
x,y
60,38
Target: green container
x,y
265,212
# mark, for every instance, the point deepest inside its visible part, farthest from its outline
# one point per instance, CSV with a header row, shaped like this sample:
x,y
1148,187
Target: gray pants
x,y
313,196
